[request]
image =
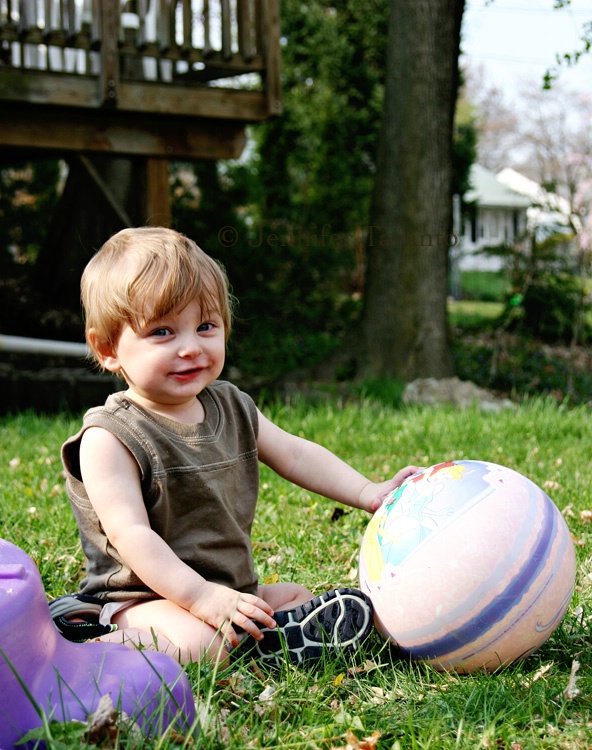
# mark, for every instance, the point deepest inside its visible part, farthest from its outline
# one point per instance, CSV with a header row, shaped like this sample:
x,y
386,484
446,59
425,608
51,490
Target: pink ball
x,y
469,565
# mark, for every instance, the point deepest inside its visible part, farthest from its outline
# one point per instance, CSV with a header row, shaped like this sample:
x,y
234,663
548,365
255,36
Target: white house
x,y
497,216
549,214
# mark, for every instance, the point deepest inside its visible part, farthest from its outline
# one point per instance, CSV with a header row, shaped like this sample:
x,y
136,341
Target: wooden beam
x,y
149,97
105,190
60,129
249,106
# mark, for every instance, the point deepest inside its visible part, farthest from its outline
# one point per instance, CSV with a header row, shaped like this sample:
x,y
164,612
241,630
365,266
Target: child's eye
x,y
205,327
161,332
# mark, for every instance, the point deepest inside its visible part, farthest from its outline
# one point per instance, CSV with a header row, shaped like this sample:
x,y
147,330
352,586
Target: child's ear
x,y
103,351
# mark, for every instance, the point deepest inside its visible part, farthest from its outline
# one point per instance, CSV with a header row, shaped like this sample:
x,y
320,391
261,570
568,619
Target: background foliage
x,y
289,219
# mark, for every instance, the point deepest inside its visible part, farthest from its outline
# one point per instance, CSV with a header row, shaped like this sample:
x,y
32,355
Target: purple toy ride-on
x,y
43,674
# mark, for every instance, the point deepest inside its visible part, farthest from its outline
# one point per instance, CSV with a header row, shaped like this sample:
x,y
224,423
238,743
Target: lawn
x,y
474,314
372,700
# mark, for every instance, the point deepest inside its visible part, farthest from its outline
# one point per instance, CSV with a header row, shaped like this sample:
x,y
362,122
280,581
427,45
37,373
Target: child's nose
x,y
190,345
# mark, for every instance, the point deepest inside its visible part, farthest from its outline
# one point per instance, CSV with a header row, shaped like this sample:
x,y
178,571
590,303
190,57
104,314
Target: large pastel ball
x,y
469,565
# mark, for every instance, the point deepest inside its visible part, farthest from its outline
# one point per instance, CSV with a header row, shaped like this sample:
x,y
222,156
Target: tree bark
x,y
404,323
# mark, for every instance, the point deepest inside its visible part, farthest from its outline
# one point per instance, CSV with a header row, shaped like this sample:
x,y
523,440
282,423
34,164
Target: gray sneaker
x,y
76,616
336,621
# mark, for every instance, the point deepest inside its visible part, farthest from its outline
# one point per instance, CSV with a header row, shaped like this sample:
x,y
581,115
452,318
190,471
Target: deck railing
x,y
143,56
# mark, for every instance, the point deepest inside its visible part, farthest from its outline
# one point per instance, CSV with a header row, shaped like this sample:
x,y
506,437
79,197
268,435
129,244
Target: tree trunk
x,y
404,322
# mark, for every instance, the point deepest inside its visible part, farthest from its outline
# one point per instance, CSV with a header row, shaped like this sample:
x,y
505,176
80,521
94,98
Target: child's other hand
x,y
373,494
221,607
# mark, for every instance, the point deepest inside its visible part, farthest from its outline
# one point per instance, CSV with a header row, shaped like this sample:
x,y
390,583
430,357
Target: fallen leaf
x,y
379,695
353,743
105,724
367,666
571,690
267,694
586,516
576,541
537,675
339,679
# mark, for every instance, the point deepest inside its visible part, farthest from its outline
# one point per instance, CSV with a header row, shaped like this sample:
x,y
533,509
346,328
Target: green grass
x,y
474,314
298,536
492,286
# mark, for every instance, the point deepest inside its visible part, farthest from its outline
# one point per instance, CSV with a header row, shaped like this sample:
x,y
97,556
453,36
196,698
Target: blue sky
x,y
515,42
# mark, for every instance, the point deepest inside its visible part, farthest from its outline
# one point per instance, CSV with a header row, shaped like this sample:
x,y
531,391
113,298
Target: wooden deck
x,y
158,78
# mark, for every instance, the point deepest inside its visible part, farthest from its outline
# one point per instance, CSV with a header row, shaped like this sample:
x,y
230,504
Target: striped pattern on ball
x,y
469,565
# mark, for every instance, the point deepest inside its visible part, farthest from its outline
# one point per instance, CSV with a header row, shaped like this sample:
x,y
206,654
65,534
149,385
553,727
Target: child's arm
x,y
313,467
112,481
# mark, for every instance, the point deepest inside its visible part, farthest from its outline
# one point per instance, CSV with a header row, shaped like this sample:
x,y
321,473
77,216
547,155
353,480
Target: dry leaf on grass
x,y
572,690
368,666
537,675
106,723
353,743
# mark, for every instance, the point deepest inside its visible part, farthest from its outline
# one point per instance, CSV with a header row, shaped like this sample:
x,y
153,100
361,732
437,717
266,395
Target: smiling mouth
x,y
186,374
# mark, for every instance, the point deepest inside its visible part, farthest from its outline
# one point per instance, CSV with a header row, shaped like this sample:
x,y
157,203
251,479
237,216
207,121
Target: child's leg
x,y
161,625
282,596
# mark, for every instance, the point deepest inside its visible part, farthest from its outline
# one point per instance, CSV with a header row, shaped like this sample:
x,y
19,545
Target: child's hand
x,y
373,494
221,606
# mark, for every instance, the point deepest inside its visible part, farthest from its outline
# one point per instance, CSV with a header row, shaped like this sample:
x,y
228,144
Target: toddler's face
x,y
168,361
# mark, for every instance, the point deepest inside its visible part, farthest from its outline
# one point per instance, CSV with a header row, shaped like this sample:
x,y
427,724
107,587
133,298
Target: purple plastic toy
x,y
66,680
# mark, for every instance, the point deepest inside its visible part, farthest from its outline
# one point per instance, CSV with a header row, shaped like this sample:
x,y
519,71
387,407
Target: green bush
x,y
551,308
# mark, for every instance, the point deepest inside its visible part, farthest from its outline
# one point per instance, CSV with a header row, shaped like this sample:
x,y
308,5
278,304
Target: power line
x,y
504,58
540,11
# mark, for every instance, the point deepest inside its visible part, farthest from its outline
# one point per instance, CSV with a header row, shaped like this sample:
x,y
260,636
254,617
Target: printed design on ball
x,y
416,510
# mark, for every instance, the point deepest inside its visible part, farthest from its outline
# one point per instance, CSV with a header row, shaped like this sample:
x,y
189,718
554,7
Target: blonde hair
x,y
146,273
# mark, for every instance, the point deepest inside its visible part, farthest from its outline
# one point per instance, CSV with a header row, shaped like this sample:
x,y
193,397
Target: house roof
x,y
486,190
547,208
541,197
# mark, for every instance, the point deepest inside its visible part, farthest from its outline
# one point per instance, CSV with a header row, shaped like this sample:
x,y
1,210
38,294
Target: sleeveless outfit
x,y
199,483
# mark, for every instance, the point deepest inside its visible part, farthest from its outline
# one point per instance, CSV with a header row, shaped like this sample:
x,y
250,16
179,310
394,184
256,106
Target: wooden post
x,y
271,38
245,28
109,52
226,32
158,193
187,25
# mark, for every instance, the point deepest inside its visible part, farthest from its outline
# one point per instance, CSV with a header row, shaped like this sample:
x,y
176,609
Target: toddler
x,y
163,479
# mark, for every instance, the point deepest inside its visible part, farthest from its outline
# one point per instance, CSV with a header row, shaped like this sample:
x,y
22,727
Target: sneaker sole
x,y
338,620
67,609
